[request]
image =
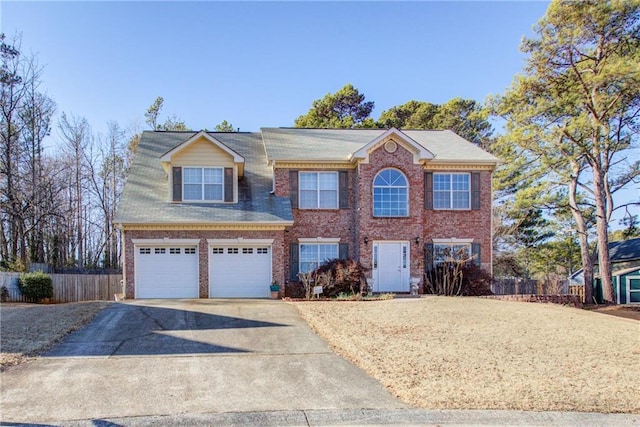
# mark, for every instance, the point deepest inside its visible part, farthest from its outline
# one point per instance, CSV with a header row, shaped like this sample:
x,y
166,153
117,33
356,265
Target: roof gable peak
x,y
420,154
166,157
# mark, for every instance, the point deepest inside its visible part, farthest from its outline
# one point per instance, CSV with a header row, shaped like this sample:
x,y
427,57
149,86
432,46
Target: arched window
x,y
390,194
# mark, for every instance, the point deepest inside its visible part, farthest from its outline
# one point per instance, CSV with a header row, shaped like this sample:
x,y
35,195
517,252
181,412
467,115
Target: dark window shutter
x,y
475,251
294,264
428,256
177,184
342,190
428,190
475,190
343,251
228,184
293,189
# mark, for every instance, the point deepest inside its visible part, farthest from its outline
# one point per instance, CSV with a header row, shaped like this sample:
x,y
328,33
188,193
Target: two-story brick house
x,y
208,214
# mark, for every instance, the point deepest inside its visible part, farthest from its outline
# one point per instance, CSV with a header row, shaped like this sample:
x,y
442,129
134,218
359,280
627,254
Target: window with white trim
x,y
318,190
160,250
190,251
203,184
145,251
451,252
451,191
313,255
390,194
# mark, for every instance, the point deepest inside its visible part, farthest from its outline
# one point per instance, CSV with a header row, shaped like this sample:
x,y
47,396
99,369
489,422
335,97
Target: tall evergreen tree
x,y
344,109
573,116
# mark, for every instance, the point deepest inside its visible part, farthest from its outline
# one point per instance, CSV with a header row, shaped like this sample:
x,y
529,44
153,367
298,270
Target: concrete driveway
x,y
171,357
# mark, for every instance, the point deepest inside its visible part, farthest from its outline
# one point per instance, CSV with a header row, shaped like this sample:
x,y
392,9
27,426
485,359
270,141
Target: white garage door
x,y
239,271
166,272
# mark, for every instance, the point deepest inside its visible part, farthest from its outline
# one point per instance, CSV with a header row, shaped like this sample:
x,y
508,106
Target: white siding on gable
x,y
202,153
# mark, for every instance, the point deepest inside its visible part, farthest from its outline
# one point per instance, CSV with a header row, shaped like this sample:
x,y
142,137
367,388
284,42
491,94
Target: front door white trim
x,y
391,265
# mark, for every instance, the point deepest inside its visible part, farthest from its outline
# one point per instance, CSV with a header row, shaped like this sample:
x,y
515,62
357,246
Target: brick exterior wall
x,y
391,228
467,224
310,223
277,252
352,225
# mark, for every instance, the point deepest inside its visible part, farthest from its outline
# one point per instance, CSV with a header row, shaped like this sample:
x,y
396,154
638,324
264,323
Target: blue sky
x,y
262,64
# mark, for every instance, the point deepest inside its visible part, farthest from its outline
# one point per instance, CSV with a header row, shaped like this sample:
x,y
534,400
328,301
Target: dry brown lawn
x,y
27,330
472,353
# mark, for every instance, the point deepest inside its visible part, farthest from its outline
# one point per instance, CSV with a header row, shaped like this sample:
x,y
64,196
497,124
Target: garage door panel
x,y
166,272
239,271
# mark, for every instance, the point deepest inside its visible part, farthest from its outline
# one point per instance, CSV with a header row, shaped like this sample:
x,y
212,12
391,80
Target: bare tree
x,y
75,135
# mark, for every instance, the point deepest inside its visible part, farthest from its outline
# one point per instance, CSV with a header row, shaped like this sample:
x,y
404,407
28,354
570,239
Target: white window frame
x,y
373,196
317,243
451,243
629,291
451,191
317,205
202,184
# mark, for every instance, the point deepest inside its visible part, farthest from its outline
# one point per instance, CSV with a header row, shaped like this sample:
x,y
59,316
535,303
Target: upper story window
x,y
203,184
390,194
318,190
451,191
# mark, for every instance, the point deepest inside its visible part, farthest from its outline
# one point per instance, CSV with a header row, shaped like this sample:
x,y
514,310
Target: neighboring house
x,y
625,272
207,215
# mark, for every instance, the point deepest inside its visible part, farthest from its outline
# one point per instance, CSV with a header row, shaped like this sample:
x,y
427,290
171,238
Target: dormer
x,y
203,170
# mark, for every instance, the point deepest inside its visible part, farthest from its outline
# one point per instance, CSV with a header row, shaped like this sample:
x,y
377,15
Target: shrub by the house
x,y
475,281
458,277
35,286
344,276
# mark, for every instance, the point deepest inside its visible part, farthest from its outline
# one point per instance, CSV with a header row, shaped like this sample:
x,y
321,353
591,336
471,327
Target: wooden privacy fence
x,y
71,287
532,287
577,290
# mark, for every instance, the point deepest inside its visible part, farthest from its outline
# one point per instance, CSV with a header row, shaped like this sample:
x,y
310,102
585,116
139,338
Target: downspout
x,y
123,282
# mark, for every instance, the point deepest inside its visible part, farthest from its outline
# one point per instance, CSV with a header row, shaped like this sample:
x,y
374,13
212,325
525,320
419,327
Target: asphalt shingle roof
x,y
625,250
338,144
145,195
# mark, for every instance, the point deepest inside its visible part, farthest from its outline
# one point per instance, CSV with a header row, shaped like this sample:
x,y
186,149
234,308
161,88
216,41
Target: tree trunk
x,y
581,227
602,223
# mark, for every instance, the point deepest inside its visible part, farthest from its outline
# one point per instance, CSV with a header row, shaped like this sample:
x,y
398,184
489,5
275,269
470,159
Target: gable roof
x,y
339,145
145,196
166,157
420,153
625,250
237,158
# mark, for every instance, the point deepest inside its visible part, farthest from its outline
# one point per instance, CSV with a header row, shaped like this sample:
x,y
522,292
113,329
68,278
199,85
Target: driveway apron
x,y
167,357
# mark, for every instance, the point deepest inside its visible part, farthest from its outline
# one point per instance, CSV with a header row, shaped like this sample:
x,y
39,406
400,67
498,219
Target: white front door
x,y
391,266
